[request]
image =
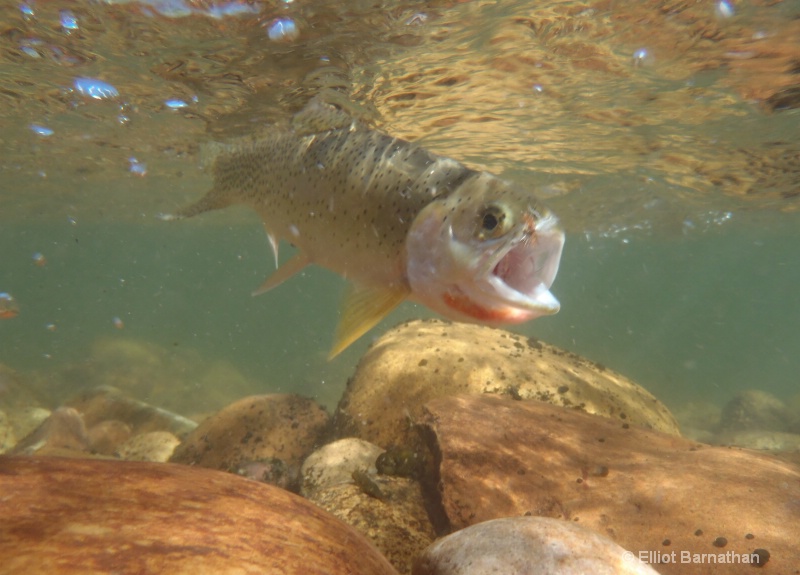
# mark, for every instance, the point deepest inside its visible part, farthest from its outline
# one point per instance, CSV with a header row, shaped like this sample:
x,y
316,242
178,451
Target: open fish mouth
x,y
522,272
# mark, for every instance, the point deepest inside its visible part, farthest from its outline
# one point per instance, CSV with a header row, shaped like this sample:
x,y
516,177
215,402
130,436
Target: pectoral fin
x,y
362,308
283,273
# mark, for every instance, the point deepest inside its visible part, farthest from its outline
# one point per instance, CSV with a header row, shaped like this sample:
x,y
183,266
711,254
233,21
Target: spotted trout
x,y
395,220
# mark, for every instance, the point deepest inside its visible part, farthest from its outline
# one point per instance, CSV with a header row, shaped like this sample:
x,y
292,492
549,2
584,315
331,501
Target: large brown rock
x,y
261,436
648,491
420,360
87,517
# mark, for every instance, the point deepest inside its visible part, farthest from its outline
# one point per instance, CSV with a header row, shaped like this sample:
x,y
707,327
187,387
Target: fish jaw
x,y
525,270
498,282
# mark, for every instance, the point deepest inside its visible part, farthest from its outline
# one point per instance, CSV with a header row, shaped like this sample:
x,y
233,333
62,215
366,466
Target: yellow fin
x,y
362,308
283,273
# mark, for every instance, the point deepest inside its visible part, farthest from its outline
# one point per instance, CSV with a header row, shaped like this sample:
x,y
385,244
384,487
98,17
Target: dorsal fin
x,y
319,116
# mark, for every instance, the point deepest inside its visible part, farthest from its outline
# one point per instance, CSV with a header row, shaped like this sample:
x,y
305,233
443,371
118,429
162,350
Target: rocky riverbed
x,y
443,429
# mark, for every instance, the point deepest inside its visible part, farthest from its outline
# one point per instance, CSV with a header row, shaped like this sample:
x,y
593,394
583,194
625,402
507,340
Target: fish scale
x,y
305,188
394,219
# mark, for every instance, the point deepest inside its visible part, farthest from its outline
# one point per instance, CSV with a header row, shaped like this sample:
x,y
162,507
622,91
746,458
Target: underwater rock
x,y
793,405
420,360
167,377
24,420
272,432
335,463
163,518
774,441
272,470
62,432
699,415
156,446
518,545
754,409
646,490
389,511
107,403
7,436
698,420
106,436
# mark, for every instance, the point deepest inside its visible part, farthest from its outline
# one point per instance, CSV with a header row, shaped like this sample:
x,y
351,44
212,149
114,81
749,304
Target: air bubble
x,y
724,9
642,58
94,88
283,30
136,167
175,104
69,22
43,131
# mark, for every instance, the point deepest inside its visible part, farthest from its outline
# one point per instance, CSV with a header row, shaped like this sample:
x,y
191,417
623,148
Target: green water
x,y
688,317
681,275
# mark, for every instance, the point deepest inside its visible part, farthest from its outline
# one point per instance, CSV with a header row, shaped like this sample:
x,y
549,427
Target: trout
x,y
395,220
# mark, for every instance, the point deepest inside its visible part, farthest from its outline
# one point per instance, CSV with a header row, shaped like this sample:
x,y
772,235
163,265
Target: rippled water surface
x,y
665,134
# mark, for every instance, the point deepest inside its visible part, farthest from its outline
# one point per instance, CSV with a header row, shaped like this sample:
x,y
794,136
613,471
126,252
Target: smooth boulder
x,y
87,516
421,360
528,546
264,437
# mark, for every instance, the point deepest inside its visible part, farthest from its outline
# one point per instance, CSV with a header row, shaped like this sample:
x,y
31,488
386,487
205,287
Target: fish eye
x,y
493,222
490,221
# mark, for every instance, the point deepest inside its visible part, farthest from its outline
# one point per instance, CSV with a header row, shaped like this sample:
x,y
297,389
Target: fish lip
x,y
521,271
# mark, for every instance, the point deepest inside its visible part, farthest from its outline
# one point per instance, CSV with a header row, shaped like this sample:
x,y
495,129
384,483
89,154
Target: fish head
x,y
486,253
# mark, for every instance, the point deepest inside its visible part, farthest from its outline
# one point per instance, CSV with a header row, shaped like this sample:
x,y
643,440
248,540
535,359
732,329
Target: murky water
x,y
665,134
